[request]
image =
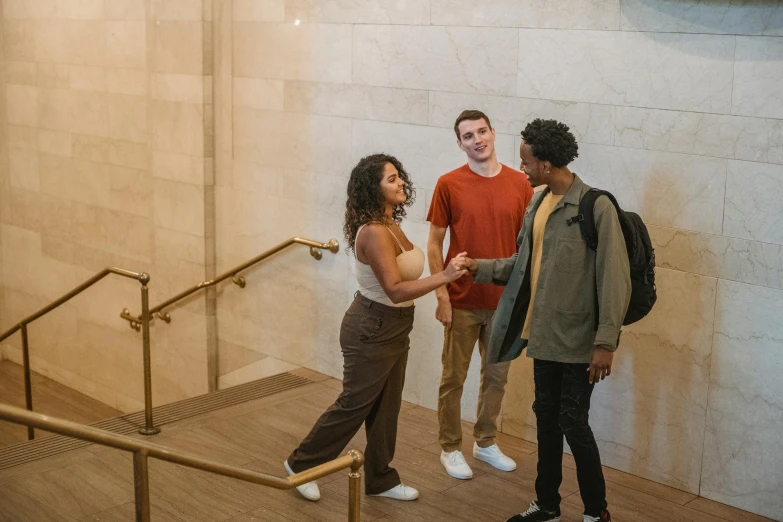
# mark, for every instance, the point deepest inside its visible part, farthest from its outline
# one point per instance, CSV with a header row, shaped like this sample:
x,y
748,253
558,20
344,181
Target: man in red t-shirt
x,y
482,205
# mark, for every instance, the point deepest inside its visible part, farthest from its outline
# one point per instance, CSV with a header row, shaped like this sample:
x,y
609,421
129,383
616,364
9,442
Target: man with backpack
x,y
566,303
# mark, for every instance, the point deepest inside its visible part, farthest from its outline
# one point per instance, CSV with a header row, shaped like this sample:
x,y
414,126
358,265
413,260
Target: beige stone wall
x,y
109,165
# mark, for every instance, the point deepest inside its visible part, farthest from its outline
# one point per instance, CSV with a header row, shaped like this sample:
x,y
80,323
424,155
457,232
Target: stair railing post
x,y
28,387
141,485
149,428
354,487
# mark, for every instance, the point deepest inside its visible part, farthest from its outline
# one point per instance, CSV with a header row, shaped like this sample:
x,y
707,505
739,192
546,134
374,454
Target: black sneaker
x,y
536,513
603,517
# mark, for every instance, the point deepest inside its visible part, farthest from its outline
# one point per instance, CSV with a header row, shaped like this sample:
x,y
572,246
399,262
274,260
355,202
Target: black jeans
x,y
562,404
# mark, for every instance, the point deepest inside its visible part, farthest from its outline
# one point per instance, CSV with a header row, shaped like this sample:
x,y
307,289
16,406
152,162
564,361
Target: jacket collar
x,y
574,193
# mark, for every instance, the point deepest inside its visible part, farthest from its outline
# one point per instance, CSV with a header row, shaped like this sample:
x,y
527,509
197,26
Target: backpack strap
x,y
586,217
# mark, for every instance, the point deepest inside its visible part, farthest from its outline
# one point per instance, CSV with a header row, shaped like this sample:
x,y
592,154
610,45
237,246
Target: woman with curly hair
x,y
374,336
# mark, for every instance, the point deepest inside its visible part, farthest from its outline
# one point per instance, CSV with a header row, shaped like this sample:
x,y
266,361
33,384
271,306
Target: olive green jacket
x,y
572,280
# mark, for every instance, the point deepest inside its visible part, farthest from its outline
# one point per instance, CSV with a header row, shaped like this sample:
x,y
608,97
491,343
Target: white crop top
x,y
411,265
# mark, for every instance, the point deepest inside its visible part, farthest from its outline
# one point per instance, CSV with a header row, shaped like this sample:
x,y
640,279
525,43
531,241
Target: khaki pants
x,y
467,327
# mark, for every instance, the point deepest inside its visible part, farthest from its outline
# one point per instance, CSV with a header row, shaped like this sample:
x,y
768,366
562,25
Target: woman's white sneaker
x,y
493,456
455,465
399,492
310,491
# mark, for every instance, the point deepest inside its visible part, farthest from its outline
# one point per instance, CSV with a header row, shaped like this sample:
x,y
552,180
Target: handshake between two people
x,y
460,266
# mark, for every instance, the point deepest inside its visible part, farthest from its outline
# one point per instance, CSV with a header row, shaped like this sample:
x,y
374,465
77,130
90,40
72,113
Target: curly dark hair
x,y
366,203
551,141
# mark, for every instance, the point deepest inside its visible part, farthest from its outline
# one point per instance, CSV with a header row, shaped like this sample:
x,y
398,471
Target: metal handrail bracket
x,y
142,450
315,251
144,323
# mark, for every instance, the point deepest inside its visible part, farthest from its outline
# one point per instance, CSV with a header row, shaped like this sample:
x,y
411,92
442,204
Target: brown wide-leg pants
x,y
374,340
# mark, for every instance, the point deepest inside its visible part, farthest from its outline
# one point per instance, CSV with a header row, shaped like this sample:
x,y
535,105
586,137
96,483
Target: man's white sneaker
x,y
399,492
310,491
493,456
455,465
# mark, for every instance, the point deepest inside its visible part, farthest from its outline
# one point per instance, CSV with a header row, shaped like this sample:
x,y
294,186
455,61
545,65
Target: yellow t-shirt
x,y
548,204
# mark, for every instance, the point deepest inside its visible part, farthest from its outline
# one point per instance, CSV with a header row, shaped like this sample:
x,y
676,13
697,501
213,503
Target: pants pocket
x,y
369,326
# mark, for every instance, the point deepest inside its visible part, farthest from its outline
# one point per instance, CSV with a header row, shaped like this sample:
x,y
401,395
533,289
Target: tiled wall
x,y
676,105
677,109
109,162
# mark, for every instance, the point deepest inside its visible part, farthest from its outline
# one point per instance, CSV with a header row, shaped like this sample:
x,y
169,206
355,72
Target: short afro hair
x,y
551,141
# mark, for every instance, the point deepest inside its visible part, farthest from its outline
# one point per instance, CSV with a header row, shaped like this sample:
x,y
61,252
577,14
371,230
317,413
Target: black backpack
x,y
641,254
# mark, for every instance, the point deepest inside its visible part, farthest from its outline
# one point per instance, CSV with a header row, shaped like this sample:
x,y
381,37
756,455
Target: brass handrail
x,y
141,277
315,251
141,450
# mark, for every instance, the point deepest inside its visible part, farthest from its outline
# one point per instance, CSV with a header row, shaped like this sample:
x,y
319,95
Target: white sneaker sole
x,y
394,497
457,475
478,456
311,498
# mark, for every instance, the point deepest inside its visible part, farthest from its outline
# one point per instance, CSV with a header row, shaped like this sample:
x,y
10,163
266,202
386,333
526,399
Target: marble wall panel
x,y
23,171
179,206
283,139
455,59
21,10
21,73
744,418
55,142
93,226
114,152
88,109
762,17
25,138
126,45
178,47
188,88
177,10
178,167
80,112
674,190
178,127
22,102
357,101
128,118
753,209
397,12
125,10
18,40
758,73
126,81
258,93
729,258
716,135
581,14
660,70
313,52
258,10
24,209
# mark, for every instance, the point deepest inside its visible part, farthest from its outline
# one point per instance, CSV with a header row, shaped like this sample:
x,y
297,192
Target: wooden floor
x,y
50,398
96,483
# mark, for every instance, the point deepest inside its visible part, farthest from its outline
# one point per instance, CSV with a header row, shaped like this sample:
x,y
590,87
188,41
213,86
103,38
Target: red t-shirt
x,y
484,216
